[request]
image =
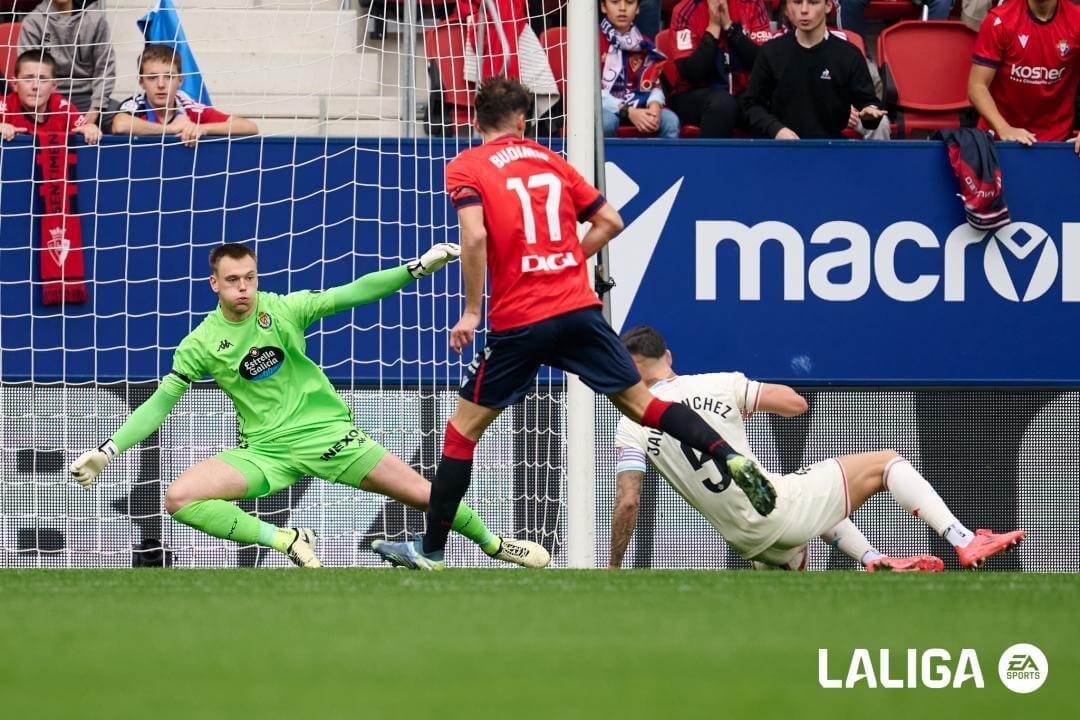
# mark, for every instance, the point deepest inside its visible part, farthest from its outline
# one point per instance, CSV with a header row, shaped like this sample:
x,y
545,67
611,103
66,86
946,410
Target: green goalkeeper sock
x,y
222,519
469,524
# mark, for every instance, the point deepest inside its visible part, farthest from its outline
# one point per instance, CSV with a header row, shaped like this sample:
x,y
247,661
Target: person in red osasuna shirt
x,y
518,207
1024,69
162,107
35,106
713,47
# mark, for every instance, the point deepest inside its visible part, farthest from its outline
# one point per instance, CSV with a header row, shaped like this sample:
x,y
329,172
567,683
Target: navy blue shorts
x,y
579,342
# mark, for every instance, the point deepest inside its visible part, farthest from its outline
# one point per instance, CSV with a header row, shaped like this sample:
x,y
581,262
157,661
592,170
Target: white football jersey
x,y
721,399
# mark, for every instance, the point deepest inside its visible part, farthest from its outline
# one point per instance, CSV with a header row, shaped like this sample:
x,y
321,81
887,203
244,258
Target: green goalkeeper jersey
x,y
261,364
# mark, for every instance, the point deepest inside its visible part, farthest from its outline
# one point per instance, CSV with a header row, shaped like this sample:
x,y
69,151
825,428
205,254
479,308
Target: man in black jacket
x,y
805,82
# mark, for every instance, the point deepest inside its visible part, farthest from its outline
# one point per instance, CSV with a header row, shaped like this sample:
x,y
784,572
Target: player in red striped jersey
x,y
518,206
1024,71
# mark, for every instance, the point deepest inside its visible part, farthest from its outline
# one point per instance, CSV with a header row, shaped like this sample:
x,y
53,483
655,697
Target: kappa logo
x,y
265,321
59,246
1023,40
224,345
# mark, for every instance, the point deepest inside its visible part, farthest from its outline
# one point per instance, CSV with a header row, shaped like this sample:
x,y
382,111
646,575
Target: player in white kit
x,y
814,501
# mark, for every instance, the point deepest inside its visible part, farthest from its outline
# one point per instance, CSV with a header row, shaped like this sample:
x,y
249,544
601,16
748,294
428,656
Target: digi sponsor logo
x,y
1023,668
341,444
261,362
858,261
548,263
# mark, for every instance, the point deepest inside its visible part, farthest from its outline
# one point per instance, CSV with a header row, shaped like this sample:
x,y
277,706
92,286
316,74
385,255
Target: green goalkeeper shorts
x,y
324,452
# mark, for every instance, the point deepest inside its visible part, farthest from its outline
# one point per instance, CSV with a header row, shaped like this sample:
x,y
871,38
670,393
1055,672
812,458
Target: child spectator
x,y
78,39
162,107
715,43
630,75
1023,79
806,82
35,107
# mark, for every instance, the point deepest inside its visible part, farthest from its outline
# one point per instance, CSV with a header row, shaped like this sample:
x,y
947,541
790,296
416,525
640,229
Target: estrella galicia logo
x,y
265,321
261,363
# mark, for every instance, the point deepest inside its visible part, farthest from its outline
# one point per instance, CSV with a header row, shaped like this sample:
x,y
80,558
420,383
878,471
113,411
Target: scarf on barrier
x,y
631,65
60,242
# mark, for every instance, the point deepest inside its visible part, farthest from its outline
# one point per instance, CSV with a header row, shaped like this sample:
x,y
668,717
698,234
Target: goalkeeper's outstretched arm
x,y
377,285
146,419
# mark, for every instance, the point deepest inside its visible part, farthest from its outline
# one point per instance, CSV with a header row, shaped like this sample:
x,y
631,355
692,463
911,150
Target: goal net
x,y
359,105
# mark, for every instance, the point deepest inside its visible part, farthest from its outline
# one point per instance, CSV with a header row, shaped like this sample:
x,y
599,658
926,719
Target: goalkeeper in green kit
x,y
292,423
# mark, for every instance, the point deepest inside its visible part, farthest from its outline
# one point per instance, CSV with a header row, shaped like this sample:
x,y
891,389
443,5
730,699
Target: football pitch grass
x,y
483,644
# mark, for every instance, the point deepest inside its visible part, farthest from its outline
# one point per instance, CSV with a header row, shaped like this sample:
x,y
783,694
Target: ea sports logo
x,y
1021,240
1023,668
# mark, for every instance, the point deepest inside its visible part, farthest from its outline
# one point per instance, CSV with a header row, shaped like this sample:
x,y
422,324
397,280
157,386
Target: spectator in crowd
x,y
1024,71
648,19
852,13
162,107
806,82
630,75
715,43
35,105
77,36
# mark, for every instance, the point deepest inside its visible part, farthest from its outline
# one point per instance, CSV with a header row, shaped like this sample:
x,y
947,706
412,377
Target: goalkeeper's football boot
x,y
915,563
986,544
301,550
408,555
521,552
752,481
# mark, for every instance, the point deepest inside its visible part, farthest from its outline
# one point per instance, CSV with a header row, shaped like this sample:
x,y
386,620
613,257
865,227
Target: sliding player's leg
x,y
846,537
202,497
588,347
870,473
393,478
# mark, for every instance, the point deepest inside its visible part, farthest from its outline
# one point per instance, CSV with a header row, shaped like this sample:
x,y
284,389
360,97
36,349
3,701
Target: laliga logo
x,y
864,262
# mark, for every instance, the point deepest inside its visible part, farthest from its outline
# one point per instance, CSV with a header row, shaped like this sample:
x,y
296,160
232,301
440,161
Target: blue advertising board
x,y
848,263
811,263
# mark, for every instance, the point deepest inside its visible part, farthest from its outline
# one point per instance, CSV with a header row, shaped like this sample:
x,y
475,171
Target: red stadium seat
x,y
853,38
553,40
892,10
451,95
924,69
9,47
664,44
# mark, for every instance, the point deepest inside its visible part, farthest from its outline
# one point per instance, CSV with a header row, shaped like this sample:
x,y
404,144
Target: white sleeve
x,y
746,392
629,449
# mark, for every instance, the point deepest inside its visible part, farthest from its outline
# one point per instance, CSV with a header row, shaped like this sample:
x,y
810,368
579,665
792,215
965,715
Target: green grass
x,y
364,644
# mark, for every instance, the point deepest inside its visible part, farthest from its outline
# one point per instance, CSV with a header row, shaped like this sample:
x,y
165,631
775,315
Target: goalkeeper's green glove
x,y
92,462
434,259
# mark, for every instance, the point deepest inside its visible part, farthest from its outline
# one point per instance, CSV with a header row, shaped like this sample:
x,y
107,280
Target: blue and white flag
x,y
161,26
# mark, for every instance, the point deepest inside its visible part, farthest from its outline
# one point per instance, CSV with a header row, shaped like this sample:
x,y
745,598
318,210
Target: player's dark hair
x,y
498,100
644,341
161,53
229,250
38,55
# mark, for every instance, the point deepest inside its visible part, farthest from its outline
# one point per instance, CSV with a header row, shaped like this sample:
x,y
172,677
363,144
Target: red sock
x,y
653,412
456,445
